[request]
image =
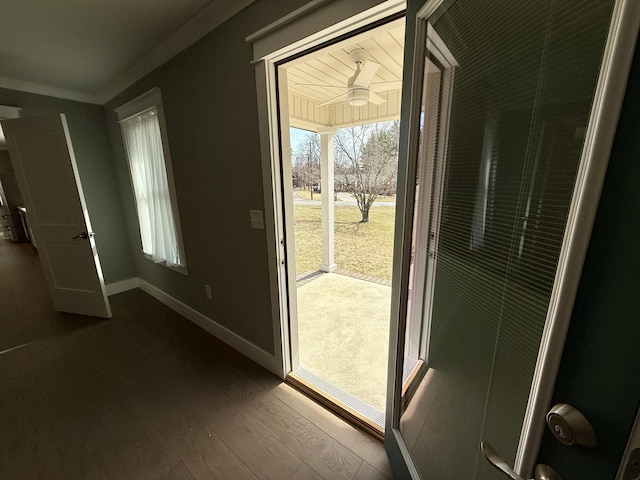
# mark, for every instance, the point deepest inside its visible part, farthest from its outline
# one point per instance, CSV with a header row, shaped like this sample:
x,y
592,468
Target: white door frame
x,y
602,125
316,23
431,180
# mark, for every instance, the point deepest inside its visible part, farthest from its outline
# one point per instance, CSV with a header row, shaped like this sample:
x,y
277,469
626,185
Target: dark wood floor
x,y
148,395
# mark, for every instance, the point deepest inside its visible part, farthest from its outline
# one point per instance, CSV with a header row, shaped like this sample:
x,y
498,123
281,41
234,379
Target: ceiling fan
x,y
359,89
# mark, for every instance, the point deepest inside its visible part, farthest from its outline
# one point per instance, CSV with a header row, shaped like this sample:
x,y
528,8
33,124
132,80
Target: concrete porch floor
x,y
343,334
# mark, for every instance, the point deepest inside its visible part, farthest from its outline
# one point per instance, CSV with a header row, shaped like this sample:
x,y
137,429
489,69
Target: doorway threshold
x,y
343,404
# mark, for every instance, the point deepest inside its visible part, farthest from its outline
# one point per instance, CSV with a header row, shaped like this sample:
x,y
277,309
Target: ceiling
x,y
91,49
317,82
331,67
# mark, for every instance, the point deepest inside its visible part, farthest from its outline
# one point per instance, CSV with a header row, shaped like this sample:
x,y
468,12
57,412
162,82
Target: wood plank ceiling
x,y
322,76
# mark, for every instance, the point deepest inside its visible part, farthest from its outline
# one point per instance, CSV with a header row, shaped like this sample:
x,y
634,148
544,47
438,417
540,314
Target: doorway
x,y
339,111
11,228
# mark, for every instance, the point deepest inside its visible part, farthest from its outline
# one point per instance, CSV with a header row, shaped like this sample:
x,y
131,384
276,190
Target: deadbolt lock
x,y
570,427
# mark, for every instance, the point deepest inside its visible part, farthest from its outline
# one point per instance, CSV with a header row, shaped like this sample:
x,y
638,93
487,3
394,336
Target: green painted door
x,y
503,107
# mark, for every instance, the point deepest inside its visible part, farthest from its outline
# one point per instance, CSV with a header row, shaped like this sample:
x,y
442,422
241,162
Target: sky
x,y
296,136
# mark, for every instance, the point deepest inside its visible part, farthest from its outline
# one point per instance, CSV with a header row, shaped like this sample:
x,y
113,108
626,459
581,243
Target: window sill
x,y
178,268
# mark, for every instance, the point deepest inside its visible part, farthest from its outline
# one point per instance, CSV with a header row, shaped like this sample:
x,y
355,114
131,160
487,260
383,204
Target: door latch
x,y
542,472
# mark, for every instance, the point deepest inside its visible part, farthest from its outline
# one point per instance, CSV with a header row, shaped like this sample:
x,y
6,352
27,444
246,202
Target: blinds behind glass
x,y
521,101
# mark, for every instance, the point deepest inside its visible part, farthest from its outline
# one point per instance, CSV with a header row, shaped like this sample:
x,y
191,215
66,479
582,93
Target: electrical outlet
x,y
207,291
257,220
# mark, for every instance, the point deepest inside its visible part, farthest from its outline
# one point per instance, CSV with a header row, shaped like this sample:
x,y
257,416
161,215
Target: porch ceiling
x,y
322,76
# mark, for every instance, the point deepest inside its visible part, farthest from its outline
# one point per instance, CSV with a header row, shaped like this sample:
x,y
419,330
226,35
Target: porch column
x,y
327,190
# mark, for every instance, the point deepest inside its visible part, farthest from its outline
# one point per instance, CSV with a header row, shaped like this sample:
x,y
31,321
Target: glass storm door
x,y
500,132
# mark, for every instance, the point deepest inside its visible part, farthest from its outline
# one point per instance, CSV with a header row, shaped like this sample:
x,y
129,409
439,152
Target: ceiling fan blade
x,y
385,86
316,85
339,98
375,98
366,74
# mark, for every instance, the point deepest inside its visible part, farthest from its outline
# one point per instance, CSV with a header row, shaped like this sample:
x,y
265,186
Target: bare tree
x,y
305,161
367,162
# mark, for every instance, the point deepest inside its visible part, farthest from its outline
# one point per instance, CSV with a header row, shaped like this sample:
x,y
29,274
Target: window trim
x,y
149,100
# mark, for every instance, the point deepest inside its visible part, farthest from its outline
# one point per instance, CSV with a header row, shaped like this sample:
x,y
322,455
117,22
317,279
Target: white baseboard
x,y
121,286
255,353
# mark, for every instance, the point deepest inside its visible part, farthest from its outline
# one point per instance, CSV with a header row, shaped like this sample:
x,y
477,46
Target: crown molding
x,y
208,19
49,91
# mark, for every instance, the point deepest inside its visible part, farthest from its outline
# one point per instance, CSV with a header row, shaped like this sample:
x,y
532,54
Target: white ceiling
x,y
90,49
333,67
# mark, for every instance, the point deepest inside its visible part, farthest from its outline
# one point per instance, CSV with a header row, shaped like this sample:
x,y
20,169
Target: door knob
x,y
496,460
545,472
542,472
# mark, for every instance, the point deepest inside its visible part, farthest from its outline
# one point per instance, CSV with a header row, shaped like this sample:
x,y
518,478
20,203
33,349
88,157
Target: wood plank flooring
x,y
149,395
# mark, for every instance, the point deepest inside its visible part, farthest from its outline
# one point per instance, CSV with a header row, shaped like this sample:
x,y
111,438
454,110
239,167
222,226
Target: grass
x,y
306,195
365,248
384,198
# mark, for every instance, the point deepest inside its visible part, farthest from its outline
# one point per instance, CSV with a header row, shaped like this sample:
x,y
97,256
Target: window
x,y
144,133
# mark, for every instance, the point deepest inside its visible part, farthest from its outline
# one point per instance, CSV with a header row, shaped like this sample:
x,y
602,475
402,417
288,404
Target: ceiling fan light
x,y
357,97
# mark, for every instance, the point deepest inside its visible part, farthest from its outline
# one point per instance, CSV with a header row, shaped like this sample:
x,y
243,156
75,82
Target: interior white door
x,y
512,118
46,171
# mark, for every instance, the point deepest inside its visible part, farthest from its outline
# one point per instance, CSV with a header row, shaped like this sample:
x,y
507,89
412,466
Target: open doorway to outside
x,y
339,116
13,226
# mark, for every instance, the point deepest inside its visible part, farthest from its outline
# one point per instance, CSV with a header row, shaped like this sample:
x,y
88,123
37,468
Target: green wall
x,y
211,113
93,156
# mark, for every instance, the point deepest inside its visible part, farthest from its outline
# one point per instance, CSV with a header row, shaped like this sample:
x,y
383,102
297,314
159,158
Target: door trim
x,y
304,29
394,443
431,178
601,129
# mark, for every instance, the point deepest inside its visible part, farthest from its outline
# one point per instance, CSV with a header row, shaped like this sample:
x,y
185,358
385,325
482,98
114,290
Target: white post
x,y
327,190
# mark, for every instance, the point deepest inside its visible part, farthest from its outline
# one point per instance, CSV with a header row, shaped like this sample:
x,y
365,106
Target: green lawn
x,y
365,248
306,195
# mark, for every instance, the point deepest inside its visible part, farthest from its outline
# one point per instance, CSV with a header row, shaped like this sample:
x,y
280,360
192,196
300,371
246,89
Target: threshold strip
x,y
343,404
